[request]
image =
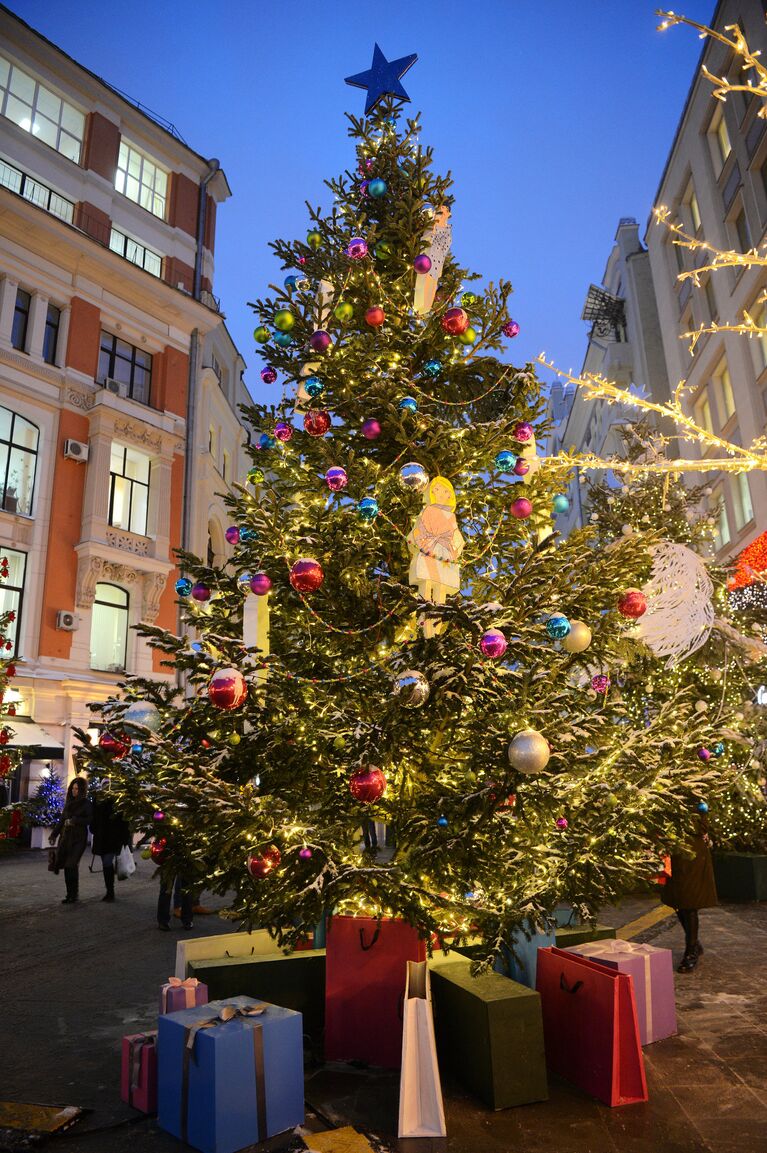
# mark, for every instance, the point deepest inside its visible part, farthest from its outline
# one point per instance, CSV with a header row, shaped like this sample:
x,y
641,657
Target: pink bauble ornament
x,y
522,467
283,431
493,644
260,865
336,478
357,248
511,328
320,340
371,429
305,854
232,534
375,316
201,592
368,785
600,683
521,508
704,754
561,822
227,689
260,583
632,604
316,422
306,575
269,374
455,321
523,431
422,264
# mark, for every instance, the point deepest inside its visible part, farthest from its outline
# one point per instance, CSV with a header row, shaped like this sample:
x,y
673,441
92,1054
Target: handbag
x,y
125,866
52,861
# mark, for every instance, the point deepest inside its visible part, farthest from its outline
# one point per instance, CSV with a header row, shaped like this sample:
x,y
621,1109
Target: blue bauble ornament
x,y
505,460
718,749
368,508
432,367
266,442
313,386
409,404
247,534
560,504
442,822
377,188
144,714
283,339
183,586
243,582
290,281
702,807
557,627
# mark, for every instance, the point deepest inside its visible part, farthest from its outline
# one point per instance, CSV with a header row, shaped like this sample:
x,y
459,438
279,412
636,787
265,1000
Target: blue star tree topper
x,y
383,78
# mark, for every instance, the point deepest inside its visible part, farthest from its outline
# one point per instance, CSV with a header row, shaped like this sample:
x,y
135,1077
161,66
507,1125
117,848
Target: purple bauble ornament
x,y
357,248
283,431
493,644
320,340
158,816
201,592
561,822
371,429
511,328
364,187
232,534
336,478
704,754
521,508
260,583
269,374
600,683
522,467
305,854
422,264
523,431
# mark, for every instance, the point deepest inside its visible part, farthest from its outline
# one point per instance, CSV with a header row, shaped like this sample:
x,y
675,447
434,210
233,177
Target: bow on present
x,y
628,949
189,985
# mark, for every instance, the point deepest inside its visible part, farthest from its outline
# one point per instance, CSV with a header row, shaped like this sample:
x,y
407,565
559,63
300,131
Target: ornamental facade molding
x,y
93,570
138,434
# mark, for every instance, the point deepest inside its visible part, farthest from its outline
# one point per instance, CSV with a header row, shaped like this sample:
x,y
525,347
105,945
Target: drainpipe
x,y
213,168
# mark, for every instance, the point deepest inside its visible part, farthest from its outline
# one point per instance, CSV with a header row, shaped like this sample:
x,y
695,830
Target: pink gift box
x,y
652,971
177,994
138,1077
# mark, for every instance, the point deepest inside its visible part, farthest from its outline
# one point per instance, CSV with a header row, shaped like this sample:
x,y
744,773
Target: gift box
x,y
138,1075
230,1073
652,971
177,994
295,981
365,988
570,935
516,960
489,1033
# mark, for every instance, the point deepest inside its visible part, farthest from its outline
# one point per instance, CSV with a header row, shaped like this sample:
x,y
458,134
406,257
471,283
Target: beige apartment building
x,y
119,384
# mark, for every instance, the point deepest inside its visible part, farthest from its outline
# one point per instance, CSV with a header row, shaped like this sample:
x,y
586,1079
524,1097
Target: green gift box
x,y
489,1033
570,935
295,981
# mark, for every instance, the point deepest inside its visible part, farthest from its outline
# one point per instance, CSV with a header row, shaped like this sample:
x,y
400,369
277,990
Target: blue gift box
x,y
224,1084
519,958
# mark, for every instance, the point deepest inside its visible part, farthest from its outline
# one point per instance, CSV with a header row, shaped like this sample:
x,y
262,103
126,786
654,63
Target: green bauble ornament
x,y
284,319
384,251
256,475
234,739
261,334
468,336
339,743
468,299
343,311
314,238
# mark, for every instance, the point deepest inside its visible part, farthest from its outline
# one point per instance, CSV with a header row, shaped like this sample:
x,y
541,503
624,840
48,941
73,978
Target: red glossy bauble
x,y
306,575
375,316
632,604
316,422
260,865
227,689
522,467
158,849
368,785
114,744
455,321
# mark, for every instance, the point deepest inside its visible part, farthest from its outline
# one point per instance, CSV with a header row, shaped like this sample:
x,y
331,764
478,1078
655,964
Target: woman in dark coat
x,y
72,835
691,887
110,832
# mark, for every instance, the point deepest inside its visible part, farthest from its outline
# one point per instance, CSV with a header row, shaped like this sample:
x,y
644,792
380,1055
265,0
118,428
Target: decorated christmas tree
x,y
44,809
400,638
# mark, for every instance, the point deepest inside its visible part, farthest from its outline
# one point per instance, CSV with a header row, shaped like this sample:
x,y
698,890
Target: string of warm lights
x,y
738,45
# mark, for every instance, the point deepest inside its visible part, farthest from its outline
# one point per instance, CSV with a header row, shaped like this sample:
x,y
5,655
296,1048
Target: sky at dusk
x,y
555,119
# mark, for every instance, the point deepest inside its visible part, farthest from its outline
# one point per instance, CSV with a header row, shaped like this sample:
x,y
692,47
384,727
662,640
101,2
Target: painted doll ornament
x,y
436,545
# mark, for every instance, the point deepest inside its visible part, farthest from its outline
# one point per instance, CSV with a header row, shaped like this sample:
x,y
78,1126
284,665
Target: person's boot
x,y
689,919
71,884
109,882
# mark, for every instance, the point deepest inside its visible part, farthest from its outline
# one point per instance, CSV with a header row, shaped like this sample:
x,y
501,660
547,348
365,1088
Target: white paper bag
x,y
421,1113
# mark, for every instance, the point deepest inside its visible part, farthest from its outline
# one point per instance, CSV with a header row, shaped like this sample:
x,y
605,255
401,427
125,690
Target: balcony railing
x,y
17,181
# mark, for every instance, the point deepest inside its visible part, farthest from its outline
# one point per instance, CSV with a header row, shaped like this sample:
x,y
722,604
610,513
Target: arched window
x,y
109,628
18,462
216,554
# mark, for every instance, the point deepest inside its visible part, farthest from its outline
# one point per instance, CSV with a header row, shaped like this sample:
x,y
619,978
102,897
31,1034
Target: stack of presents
x,y
224,1069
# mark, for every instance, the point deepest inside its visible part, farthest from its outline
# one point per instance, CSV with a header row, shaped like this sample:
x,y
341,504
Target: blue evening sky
x,y
554,117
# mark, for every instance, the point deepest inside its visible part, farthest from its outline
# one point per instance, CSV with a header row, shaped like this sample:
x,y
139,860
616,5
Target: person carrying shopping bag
x,y
71,832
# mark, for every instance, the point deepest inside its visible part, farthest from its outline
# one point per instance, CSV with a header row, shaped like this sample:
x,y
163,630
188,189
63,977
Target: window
x,y
741,500
12,594
741,230
109,629
694,210
722,526
129,489
725,401
136,253
212,448
18,462
120,361
703,413
40,111
140,179
20,319
227,467
720,143
51,336
708,288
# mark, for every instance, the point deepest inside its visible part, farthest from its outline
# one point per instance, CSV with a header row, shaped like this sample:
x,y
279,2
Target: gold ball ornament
x,y
578,639
529,751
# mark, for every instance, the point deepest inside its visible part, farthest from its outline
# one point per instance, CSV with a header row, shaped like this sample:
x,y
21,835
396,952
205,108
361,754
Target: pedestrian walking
x,y
691,887
182,899
71,832
110,833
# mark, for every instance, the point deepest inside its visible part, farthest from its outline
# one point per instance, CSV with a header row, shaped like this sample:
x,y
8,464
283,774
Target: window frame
x,y
22,346
118,608
14,627
119,242
113,356
123,175
49,328
35,112
11,445
723,520
738,505
131,483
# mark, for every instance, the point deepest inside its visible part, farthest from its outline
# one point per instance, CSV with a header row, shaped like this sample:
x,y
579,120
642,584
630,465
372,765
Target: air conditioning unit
x,y
66,621
76,450
118,387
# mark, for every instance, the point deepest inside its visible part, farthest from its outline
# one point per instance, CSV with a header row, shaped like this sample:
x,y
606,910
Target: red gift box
x,y
366,969
590,1027
138,1078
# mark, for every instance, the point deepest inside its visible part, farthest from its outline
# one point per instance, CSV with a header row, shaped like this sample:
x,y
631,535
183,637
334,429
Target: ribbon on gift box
x,y
227,1012
628,949
189,986
136,1046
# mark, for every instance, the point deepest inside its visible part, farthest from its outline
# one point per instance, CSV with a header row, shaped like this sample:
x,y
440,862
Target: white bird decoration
x,y
680,613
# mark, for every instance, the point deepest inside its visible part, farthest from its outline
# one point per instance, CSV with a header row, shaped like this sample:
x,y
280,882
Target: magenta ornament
x,y
705,754
283,431
523,431
600,683
511,328
522,467
521,508
305,854
493,644
357,248
422,264
201,592
269,374
371,429
232,534
320,340
260,583
336,478
561,822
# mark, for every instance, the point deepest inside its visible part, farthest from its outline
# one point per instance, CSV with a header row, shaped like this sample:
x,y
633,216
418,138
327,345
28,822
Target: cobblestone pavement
x,y
75,979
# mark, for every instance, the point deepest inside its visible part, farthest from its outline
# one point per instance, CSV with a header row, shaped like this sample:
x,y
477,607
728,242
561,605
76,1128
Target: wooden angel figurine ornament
x,y
436,545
